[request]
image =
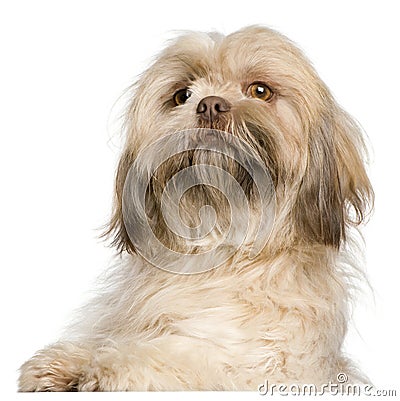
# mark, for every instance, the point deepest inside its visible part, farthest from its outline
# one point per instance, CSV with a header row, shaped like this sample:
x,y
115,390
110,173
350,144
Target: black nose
x,y
211,106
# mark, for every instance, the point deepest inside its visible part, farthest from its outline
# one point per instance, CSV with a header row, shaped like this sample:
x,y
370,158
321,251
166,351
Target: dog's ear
x,y
116,227
335,190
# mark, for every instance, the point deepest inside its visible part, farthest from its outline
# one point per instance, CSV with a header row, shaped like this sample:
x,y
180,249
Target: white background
x,y
63,67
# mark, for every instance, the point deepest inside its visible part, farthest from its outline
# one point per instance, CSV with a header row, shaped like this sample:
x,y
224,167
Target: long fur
x,y
281,316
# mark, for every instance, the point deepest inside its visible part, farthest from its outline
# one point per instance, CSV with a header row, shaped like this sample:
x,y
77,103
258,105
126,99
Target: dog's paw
x,y
57,368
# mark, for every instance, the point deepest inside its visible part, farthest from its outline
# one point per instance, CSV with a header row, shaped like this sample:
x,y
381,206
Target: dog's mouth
x,y
202,157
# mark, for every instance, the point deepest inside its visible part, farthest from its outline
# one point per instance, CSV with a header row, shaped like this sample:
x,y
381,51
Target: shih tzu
x,y
238,188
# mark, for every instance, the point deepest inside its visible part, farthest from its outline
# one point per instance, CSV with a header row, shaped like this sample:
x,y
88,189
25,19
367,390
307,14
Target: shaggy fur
x,y
281,316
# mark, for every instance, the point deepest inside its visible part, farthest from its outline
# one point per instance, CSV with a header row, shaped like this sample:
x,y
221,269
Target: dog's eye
x,y
260,91
181,96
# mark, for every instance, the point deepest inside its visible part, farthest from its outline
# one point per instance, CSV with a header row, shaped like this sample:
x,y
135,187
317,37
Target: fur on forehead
x,y
252,50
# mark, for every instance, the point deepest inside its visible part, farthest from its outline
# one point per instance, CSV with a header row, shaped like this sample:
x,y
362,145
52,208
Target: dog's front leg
x,y
115,366
80,366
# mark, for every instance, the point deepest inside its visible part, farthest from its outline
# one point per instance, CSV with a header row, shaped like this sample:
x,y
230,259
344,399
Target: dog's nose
x,y
211,106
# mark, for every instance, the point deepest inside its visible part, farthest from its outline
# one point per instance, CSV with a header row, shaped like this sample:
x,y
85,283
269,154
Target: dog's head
x,y
256,85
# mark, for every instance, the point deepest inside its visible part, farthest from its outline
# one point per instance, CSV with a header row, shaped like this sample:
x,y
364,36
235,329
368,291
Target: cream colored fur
x,y
281,316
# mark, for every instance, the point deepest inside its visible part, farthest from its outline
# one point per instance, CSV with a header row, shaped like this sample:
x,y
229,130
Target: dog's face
x,y
256,85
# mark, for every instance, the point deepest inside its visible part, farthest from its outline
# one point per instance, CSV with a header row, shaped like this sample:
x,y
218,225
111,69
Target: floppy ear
x,y
116,226
335,190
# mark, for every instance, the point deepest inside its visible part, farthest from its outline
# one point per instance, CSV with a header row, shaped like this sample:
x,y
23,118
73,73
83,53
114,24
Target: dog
x,y
166,320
